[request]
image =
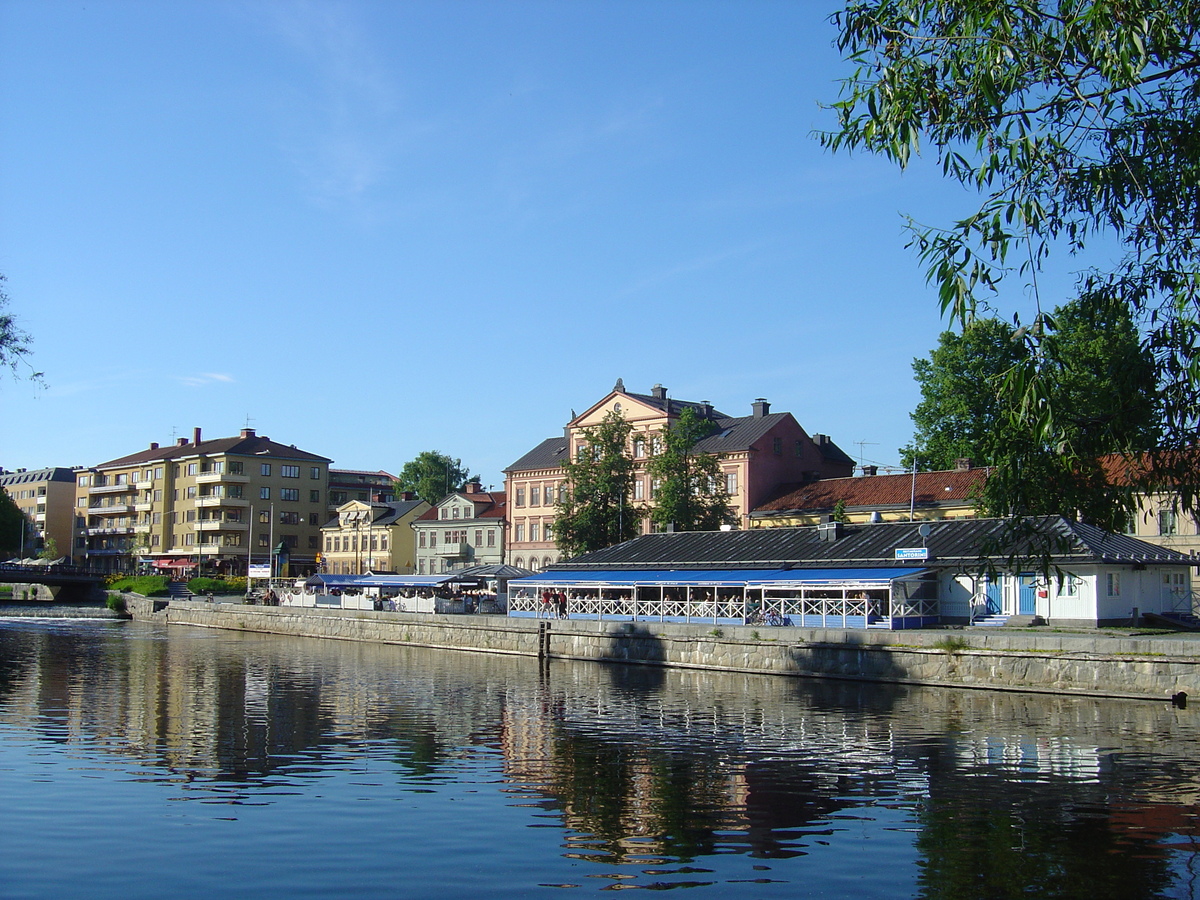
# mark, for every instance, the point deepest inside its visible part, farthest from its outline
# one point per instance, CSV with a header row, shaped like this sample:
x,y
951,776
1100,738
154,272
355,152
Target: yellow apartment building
x,y
46,497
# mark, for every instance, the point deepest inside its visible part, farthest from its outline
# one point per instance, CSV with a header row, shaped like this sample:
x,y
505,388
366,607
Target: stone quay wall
x,y
1153,667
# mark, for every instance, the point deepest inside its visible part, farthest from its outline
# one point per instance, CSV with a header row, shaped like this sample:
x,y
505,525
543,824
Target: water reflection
x,y
651,778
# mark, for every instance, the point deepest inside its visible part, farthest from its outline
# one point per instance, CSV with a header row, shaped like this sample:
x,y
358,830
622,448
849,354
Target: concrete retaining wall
x,y
1151,667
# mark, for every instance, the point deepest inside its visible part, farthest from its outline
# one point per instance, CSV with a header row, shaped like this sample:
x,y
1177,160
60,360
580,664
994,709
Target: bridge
x,y
65,582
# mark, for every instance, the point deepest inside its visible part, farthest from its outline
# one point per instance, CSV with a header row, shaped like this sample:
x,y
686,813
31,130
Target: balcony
x,y
111,529
143,507
143,485
222,501
218,525
117,509
122,488
218,477
109,551
457,550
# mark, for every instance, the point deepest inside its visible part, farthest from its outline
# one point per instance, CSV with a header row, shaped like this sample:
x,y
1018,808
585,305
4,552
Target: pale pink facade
x,y
758,453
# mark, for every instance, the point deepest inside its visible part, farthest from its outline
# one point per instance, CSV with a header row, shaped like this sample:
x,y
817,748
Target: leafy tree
x,y
49,549
1075,123
432,475
690,491
11,523
594,511
14,343
1100,375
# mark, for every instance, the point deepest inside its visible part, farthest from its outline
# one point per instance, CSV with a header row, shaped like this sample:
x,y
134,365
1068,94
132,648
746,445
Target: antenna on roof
x,y
249,421
861,444
174,433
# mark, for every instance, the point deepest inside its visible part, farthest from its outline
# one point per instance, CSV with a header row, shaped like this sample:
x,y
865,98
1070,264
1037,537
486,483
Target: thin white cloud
x,y
204,378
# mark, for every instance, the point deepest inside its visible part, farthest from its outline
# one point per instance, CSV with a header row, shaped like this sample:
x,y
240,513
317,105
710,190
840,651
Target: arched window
x,y
546,563
520,563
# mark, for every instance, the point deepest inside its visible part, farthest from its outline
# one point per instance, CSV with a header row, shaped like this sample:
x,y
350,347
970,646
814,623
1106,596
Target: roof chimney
x,y
247,433
870,470
195,435
154,445
658,392
406,495
963,464
706,409
761,408
180,442
472,487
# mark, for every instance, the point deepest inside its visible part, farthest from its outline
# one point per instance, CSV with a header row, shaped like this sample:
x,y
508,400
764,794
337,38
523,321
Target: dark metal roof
x,y
250,445
549,454
951,544
27,476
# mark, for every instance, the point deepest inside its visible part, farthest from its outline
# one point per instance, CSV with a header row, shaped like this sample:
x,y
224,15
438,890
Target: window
x,y
291,540
315,473
656,445
445,514
264,493
157,518
535,496
191,469
519,533
190,515
1069,586
292,494
456,512
265,469
1167,523
433,539
85,480
777,445
314,519
420,567
312,542
655,484
1113,580
191,492
639,448
520,496
420,539
264,517
731,483
383,542
328,544
289,471
520,563
233,490
337,497
491,537
533,531
478,537
799,448
314,496
235,467
639,489
232,540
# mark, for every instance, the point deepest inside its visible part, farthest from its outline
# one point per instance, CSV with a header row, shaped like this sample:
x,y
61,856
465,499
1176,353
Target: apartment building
x,y
465,528
758,453
46,497
353,484
203,506
372,537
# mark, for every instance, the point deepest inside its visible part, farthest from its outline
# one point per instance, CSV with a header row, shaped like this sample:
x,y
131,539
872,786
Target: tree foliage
x,y
690,493
594,511
11,524
1101,376
14,343
432,475
1076,123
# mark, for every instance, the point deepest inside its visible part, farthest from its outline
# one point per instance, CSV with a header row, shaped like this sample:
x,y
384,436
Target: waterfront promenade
x,y
1153,667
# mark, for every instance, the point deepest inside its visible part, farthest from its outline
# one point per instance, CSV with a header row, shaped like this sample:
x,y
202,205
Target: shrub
x,y
146,585
115,602
203,585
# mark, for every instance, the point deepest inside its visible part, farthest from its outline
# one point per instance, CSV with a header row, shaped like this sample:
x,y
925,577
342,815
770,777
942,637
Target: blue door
x,y
994,597
1027,595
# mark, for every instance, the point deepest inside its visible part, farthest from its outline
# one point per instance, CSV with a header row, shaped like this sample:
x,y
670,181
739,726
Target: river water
x,y
142,761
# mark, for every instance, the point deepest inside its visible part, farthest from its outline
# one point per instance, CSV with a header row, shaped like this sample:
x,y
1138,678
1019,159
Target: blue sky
x,y
376,228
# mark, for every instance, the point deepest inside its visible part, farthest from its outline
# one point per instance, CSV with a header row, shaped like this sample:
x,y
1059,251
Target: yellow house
x,y
46,497
372,537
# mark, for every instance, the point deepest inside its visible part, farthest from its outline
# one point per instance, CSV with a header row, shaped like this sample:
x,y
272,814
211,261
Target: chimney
x,y
180,442
821,439
761,408
472,487
406,495
962,465
195,435
829,530
247,433
658,392
706,409
154,445
870,470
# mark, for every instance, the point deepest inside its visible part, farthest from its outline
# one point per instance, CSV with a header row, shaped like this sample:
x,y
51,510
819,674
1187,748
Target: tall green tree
x,y
1100,374
689,488
595,510
1075,123
432,475
12,520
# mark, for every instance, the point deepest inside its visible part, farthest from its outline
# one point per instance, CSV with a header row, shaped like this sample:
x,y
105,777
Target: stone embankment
x,y
1154,667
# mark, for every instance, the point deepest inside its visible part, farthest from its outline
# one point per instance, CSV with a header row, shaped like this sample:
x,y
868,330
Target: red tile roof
x,y
957,486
